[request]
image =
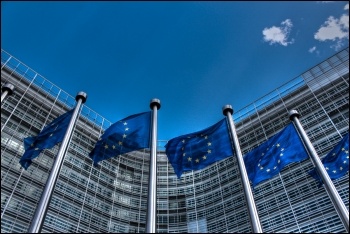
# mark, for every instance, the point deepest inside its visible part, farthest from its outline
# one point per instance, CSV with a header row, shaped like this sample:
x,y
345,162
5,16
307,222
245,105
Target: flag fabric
x,y
269,158
197,150
336,161
52,134
126,135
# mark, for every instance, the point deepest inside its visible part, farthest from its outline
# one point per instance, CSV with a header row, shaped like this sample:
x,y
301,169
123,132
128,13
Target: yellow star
x,y
209,143
204,157
184,154
125,123
113,146
197,160
206,137
189,159
51,135
106,146
183,141
36,149
268,170
278,145
209,151
124,135
126,129
120,143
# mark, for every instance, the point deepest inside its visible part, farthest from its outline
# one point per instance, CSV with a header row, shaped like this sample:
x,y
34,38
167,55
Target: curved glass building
x,y
113,197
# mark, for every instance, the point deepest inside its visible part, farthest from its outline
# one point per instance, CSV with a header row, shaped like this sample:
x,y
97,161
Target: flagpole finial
x,y
8,87
227,108
293,113
81,95
154,102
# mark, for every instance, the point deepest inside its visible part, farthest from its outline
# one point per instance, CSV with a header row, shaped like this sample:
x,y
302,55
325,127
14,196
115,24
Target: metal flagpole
x,y
40,213
253,213
152,184
7,89
332,192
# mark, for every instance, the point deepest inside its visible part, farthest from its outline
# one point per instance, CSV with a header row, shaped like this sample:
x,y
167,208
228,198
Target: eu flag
x,y
52,134
126,135
269,158
336,162
197,150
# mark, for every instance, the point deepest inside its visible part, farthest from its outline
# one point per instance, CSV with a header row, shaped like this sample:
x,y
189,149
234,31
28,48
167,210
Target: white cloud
x,y
313,49
279,34
334,29
344,21
338,45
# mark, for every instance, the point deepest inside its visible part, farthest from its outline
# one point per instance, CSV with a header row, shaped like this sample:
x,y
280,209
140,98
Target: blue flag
x,y
269,158
129,134
197,150
336,162
52,134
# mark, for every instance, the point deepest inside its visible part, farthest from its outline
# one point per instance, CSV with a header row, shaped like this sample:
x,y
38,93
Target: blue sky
x,y
194,56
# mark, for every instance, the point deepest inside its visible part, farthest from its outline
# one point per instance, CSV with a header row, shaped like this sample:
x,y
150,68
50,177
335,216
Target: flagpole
x,y
41,210
152,184
253,213
7,89
332,192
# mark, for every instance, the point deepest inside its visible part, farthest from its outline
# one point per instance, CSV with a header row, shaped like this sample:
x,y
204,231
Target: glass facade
x,y
113,197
